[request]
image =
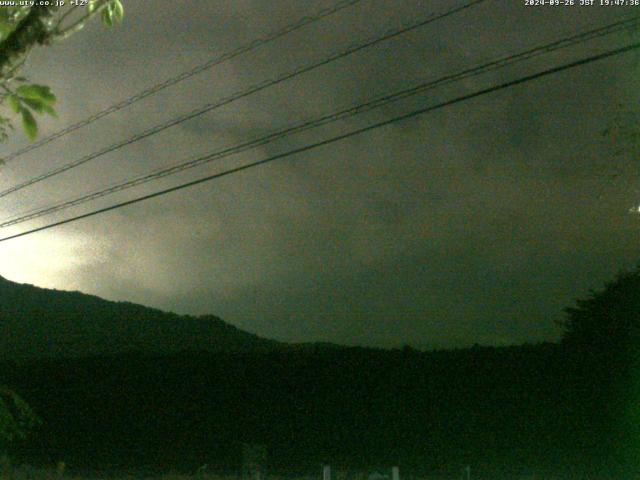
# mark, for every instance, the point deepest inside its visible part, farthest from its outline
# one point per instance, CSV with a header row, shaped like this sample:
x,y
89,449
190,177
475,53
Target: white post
x,y
395,473
326,472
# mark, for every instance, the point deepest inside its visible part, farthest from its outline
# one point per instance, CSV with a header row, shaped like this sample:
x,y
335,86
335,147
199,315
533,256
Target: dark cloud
x,y
476,223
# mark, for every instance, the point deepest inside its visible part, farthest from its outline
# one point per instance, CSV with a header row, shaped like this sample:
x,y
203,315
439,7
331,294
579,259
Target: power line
x,y
215,61
239,95
337,138
326,119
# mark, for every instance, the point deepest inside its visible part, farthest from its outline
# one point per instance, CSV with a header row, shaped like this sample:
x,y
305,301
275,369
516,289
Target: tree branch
x,y
80,23
32,30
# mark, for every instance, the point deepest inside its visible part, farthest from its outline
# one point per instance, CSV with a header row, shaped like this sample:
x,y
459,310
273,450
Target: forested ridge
x,y
560,408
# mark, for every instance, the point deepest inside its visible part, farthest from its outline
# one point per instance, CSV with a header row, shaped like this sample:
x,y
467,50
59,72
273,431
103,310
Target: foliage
x,y
28,99
22,28
603,332
351,407
607,321
16,418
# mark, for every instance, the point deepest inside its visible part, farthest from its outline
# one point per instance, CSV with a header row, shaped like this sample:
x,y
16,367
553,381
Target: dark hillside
x,y
36,323
121,387
508,409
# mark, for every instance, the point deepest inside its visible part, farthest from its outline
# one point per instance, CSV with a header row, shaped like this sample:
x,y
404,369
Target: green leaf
x,y
37,92
50,110
29,124
107,16
6,28
118,11
39,106
36,105
14,103
5,127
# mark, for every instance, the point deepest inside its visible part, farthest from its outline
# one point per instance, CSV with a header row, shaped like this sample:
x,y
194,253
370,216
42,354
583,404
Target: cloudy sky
x,y
475,223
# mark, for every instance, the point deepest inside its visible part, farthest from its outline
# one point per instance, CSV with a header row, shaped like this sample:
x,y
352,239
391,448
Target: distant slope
x,y
37,322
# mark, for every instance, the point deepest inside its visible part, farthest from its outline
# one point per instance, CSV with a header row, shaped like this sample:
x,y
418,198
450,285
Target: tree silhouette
x,y
607,322
602,340
16,418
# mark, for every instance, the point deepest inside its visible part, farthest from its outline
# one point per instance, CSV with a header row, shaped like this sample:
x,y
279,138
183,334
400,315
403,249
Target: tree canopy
x,y
602,334
607,320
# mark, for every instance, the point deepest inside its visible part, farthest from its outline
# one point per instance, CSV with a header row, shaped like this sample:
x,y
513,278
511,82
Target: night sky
x,y
475,223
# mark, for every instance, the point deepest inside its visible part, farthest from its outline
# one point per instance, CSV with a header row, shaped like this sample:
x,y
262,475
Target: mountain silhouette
x,y
37,322
125,389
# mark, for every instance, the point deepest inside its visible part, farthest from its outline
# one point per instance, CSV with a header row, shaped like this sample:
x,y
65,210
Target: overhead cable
x,y
213,62
325,119
337,138
236,96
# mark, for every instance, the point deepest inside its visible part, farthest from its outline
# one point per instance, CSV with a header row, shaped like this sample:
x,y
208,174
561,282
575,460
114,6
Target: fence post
x,y
326,472
395,473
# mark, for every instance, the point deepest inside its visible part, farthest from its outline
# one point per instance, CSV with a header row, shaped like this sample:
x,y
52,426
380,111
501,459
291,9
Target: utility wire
x,y
244,93
337,138
323,120
215,61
